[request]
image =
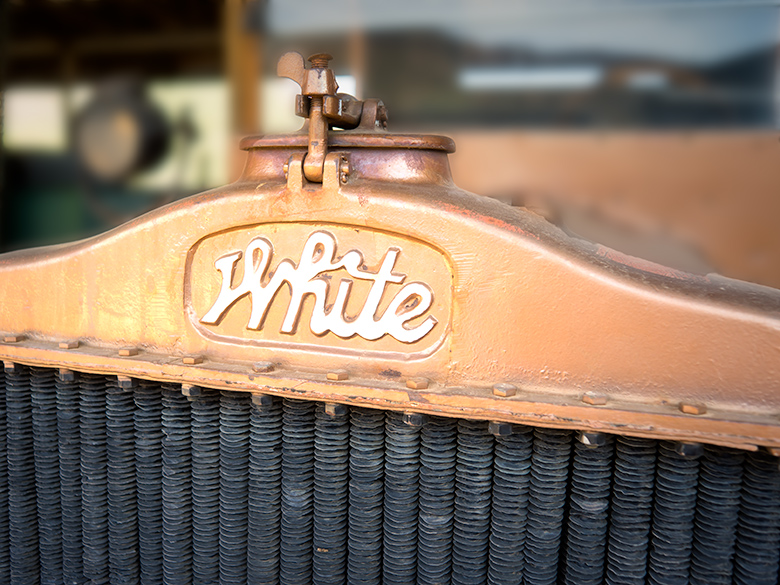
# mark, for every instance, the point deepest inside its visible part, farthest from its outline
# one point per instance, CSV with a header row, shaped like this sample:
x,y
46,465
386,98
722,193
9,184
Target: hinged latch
x,y
319,102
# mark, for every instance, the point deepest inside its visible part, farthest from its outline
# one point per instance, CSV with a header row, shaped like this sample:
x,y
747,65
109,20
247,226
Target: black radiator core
x,y
100,484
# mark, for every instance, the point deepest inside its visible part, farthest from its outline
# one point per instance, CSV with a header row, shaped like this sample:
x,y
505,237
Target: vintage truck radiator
x,y
343,369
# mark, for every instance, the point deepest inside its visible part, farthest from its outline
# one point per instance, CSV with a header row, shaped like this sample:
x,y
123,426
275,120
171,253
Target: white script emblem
x,y
318,257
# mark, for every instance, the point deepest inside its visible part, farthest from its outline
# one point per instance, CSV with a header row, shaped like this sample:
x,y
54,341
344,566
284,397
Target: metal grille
x,y
100,484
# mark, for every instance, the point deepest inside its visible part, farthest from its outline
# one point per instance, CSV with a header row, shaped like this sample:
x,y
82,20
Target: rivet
x,y
191,360
338,375
68,344
414,419
67,375
594,398
693,408
128,351
263,367
13,338
126,383
417,383
191,390
499,429
334,409
688,449
263,400
504,390
592,439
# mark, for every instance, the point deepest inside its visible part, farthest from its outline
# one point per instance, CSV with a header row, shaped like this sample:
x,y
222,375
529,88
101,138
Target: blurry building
x,y
644,124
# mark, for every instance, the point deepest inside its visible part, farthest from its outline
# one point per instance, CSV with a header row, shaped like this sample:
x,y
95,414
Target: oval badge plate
x,y
324,287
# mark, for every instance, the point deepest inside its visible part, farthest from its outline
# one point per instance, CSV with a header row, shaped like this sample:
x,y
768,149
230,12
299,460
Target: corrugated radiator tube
x,y
331,494
547,501
631,513
265,490
511,482
22,505
148,464
176,487
205,488
94,480
402,467
473,481
438,458
297,493
589,509
69,441
717,511
234,486
122,504
675,503
5,554
758,528
366,494
47,475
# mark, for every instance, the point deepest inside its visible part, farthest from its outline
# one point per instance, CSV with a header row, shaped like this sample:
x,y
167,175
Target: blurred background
x,y
649,126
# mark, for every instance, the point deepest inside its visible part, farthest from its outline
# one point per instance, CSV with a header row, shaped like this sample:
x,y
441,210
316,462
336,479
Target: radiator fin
x,y
47,475
366,483
402,468
438,456
123,556
205,488
297,492
148,462
69,440
5,555
631,512
473,480
265,492
176,488
717,511
588,509
107,485
673,514
22,505
547,500
234,415
758,530
331,495
512,479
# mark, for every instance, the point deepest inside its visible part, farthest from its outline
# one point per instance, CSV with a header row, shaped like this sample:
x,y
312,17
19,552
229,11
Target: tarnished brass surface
x,y
386,285
514,301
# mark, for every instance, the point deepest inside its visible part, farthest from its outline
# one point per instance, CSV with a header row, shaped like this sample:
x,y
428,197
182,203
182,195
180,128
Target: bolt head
x,y
191,360
592,439
333,409
67,375
338,375
594,398
263,400
126,383
414,419
417,383
693,408
68,344
128,351
504,390
688,449
263,367
9,367
500,429
12,338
